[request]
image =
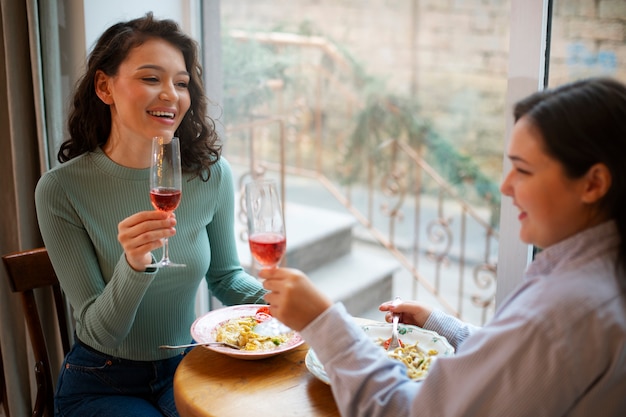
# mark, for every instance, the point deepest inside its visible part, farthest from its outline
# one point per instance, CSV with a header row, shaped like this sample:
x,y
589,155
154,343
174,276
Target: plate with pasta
x,y
419,349
235,325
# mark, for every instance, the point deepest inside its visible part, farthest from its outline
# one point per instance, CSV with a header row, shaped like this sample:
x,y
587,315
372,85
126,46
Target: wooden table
x,y
210,384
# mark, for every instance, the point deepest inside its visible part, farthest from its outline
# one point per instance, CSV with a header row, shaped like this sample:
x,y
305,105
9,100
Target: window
x,y
397,107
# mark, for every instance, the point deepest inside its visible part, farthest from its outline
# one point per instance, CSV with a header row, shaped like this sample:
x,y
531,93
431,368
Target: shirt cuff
x,y
453,329
151,269
331,331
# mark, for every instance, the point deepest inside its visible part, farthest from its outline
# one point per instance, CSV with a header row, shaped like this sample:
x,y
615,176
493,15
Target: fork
x,y
395,342
200,344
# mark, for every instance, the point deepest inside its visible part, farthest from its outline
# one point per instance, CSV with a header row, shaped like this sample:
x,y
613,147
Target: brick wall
x,y
452,53
589,38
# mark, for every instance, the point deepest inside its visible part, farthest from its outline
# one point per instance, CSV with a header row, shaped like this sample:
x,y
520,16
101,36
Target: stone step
x,y
320,243
314,237
373,314
361,280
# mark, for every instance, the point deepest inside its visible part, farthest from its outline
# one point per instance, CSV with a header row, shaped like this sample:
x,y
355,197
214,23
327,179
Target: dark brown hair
x,y
89,122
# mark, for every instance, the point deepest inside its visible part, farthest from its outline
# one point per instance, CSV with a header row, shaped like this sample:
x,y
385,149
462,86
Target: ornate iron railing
x,y
447,245
440,239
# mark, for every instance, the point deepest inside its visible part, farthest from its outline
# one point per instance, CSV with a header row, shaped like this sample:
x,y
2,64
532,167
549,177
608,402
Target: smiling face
x,y
552,206
148,96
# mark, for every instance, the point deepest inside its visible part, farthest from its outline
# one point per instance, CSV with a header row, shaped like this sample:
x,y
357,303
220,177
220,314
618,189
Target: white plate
x,y
204,329
408,334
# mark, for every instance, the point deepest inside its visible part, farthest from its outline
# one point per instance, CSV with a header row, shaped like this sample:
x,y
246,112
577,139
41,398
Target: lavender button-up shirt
x,y
555,347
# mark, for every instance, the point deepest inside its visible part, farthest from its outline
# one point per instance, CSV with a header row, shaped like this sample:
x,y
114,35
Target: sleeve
x,y
505,370
450,327
104,311
226,278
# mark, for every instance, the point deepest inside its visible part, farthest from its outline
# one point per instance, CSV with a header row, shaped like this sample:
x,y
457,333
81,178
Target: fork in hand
x,y
395,342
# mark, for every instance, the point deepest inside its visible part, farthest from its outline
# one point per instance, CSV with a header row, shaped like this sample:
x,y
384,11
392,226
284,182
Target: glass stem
x,y
166,251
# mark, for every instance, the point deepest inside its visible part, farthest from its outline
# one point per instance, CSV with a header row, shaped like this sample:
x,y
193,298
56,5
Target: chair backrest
x,y
4,399
27,271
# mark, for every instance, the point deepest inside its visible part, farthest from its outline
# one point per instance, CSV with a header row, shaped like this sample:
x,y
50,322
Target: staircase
x,y
321,242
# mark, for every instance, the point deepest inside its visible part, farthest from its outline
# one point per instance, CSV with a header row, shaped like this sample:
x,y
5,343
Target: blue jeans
x,y
94,384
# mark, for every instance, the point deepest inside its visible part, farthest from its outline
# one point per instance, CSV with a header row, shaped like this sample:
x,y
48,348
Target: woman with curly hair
x,y
142,80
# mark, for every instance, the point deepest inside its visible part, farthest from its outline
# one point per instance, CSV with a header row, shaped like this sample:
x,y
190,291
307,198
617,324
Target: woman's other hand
x,y
411,312
292,296
141,233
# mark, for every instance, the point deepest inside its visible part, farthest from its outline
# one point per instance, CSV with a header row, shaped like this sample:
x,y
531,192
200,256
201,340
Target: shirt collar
x,y
579,248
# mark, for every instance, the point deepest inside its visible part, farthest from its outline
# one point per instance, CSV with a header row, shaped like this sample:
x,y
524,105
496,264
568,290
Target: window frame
x,y
529,49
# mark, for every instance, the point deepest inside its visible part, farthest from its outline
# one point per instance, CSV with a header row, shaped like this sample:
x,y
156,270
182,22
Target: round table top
x,y
209,384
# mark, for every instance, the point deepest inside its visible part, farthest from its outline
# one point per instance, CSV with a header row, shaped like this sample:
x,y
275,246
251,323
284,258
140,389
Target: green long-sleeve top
x,y
120,311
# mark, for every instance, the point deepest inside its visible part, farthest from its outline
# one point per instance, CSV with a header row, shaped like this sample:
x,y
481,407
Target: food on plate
x,y
417,360
240,331
263,314
388,341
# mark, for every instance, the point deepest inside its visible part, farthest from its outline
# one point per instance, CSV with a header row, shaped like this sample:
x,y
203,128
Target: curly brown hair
x,y
89,121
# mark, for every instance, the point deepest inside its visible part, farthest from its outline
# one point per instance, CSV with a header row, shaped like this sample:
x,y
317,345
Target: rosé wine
x,y
267,248
165,199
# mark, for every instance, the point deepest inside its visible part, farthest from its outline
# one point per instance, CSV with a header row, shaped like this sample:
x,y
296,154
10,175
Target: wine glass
x,y
266,237
266,227
165,184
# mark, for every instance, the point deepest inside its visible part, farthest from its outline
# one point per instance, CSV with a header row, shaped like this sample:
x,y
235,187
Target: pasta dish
x,y
240,331
417,360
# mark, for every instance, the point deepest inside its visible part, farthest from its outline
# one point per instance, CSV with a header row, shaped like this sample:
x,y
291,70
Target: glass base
x,y
166,264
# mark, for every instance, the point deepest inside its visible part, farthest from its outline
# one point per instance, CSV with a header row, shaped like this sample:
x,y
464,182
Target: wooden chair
x,y
28,270
3,389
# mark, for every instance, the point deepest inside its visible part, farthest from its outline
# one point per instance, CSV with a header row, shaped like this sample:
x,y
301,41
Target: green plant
x,y
390,117
384,116
248,66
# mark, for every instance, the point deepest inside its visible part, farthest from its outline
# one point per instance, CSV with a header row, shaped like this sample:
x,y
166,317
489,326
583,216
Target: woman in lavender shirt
x,y
557,345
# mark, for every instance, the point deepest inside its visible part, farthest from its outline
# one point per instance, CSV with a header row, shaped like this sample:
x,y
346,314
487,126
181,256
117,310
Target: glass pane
x,y
395,110
588,39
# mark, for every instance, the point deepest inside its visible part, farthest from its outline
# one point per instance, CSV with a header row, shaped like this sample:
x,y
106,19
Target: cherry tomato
x,y
386,343
263,314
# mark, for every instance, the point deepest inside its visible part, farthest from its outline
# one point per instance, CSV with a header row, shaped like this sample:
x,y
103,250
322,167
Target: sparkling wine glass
x,y
266,227
165,184
266,237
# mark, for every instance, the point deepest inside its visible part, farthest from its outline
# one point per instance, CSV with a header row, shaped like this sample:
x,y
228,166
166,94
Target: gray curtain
x,y
27,124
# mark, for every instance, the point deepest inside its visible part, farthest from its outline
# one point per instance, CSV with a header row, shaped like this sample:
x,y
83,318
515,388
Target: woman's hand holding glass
x,y
165,184
293,298
142,233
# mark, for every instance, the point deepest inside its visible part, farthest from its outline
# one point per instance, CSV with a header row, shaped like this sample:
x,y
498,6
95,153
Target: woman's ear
x,y
598,183
101,82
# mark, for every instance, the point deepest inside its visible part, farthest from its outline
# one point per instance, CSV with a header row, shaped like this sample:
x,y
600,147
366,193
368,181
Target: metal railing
x,y
407,208
447,245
